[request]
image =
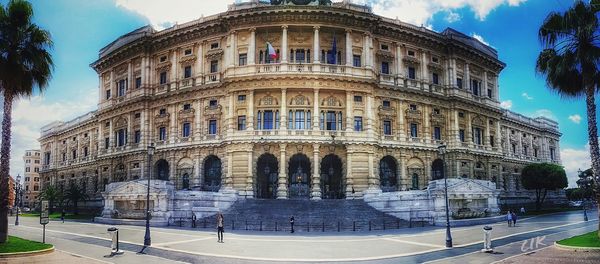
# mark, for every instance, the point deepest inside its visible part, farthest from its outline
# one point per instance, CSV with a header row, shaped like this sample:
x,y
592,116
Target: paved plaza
x,y
90,242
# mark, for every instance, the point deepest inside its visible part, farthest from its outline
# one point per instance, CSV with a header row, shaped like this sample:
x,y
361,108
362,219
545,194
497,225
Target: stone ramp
x,y
310,216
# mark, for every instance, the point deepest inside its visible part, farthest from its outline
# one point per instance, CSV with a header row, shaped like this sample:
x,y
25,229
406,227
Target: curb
x,y
575,248
26,254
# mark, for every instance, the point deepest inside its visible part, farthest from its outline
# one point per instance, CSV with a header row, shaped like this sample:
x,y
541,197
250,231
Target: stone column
x,y
230,116
424,69
349,176
129,77
198,120
399,62
229,175
282,183
283,110
402,177
499,137
250,119
469,129
427,125
372,181
316,175
129,133
467,77
486,140
198,62
316,45
100,139
401,125
484,87
367,50
349,58
197,180
453,72
173,75
284,44
252,47
370,117
456,128
110,136
112,85
349,114
316,113
173,124
250,176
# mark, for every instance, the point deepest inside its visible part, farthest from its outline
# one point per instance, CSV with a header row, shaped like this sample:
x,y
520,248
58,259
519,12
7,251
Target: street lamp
x,y
17,191
147,240
442,152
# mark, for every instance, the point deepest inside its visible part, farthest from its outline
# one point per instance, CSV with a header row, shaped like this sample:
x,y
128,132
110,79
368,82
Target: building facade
x,y
31,179
297,100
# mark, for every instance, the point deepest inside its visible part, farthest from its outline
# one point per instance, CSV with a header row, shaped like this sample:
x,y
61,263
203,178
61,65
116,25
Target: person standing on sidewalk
x,y
514,219
220,227
62,215
292,224
509,217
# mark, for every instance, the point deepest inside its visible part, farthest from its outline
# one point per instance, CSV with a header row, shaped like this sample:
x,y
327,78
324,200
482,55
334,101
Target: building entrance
x,y
299,177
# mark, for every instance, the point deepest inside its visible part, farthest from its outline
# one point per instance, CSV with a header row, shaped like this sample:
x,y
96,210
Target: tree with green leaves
x,y
51,194
570,62
25,64
541,177
75,194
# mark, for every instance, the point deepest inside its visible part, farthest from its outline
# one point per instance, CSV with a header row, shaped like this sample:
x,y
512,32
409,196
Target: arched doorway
x,y
266,177
212,174
162,170
437,169
331,177
299,177
388,174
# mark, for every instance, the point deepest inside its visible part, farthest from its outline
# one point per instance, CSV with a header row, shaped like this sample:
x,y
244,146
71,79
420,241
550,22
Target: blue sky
x,y
81,28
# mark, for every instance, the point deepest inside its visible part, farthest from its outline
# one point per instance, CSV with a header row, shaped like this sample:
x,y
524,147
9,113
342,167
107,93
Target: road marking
x,y
414,243
82,256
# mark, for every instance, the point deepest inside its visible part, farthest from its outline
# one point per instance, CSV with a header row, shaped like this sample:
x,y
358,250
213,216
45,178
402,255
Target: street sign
x,y
44,216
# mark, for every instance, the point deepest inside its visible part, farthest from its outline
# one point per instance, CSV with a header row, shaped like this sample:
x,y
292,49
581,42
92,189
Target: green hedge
x,y
586,240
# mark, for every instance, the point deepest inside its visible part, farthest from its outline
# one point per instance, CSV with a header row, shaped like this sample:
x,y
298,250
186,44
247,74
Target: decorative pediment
x,y
214,54
186,113
161,119
163,66
268,100
300,100
187,60
121,122
410,60
331,101
413,114
385,55
437,118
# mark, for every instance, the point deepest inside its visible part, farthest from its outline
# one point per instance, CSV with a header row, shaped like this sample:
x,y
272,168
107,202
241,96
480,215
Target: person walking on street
x,y
522,210
509,217
292,224
220,227
62,215
514,219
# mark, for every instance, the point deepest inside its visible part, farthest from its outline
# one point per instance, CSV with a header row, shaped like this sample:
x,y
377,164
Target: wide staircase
x,y
310,216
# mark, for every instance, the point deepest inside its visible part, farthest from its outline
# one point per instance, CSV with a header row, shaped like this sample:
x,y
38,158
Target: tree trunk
x,y
593,139
75,207
5,167
537,200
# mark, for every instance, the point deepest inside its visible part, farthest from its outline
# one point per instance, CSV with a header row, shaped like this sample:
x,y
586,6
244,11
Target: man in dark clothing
x,y
514,219
220,227
292,224
62,216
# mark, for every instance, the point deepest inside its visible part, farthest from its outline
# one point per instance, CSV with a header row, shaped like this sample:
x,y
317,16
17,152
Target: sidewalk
x,y
56,257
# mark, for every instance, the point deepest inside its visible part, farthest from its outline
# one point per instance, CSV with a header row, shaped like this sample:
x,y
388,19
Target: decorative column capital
x,y
316,148
348,30
252,29
284,27
316,28
282,147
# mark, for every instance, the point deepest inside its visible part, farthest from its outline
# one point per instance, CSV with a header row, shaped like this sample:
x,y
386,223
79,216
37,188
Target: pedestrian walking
x,y
62,215
514,219
522,210
292,224
509,217
193,220
220,227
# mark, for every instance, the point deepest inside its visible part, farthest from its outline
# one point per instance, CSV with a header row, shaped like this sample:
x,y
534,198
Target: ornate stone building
x,y
297,100
31,181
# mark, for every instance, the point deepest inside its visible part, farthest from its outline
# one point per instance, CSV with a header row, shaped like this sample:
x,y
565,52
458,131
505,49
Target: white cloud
x,y
452,17
575,118
506,104
29,115
573,160
526,96
480,38
162,13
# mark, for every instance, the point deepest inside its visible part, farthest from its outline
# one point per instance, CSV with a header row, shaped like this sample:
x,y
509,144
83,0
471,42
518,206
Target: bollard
x,y
338,226
308,227
114,245
369,225
246,224
275,226
193,220
487,240
323,227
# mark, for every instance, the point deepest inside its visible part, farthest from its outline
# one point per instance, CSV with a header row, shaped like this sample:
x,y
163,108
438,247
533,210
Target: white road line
x,y
415,243
82,256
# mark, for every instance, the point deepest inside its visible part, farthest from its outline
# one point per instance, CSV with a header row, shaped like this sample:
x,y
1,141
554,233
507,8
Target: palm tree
x,y
25,64
52,195
570,62
75,194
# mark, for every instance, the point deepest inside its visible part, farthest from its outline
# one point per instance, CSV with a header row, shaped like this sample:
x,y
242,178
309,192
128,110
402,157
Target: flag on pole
x,y
271,52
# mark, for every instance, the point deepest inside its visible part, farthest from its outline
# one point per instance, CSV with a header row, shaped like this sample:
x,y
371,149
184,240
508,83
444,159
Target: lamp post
x,y
17,191
147,240
442,152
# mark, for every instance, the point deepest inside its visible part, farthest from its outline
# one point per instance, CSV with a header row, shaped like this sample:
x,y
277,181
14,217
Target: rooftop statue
x,y
301,2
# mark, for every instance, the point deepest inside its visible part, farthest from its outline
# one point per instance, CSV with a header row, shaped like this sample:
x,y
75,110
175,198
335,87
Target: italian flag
x,y
271,51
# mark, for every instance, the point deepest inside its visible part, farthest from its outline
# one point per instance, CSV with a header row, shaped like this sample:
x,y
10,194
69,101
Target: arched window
x,y
415,181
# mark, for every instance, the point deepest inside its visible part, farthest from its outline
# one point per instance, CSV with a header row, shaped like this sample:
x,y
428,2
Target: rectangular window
x,y
162,112
413,107
385,67
242,122
138,82
477,136
85,152
107,94
27,169
121,137
212,127
387,127
214,66
356,61
268,120
299,119
358,123
358,99
386,104
411,53
47,158
186,130
435,78
475,87
461,135
535,152
122,87
241,98
459,83
187,106
162,133
187,52
163,78
214,45
212,103
74,154
106,143
492,143
137,136
552,154
243,59
331,120
525,152
437,133
163,58
414,132
412,73
489,93
64,156
514,149
187,72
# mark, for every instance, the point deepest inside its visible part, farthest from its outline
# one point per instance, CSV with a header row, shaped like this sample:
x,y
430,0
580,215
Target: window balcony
x,y
187,82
